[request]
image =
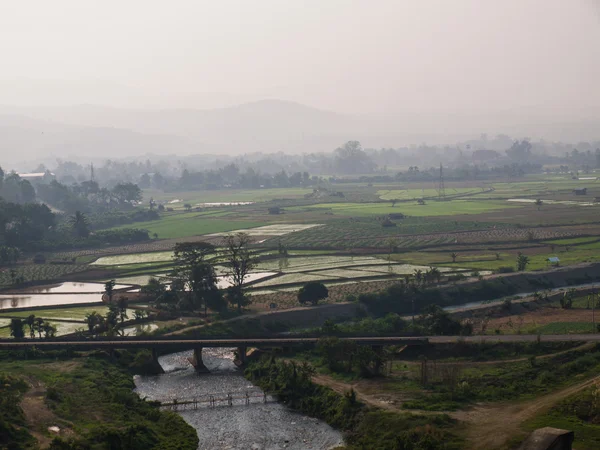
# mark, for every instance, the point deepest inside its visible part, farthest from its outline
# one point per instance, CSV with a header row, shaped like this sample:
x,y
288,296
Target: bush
x,y
312,292
505,269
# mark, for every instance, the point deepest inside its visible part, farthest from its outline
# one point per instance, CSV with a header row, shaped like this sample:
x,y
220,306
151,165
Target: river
x,y
258,426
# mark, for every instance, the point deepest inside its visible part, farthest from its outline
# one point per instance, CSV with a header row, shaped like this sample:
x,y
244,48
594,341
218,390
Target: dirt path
x,y
488,426
491,426
341,387
586,346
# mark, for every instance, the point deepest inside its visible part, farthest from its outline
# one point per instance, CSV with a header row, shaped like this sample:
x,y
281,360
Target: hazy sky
x,y
344,55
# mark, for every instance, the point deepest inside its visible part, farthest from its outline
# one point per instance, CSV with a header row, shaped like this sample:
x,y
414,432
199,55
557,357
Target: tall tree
x,y
16,328
240,261
312,292
109,288
522,262
80,225
204,289
30,321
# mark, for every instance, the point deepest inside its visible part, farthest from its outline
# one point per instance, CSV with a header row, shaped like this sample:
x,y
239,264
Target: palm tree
x,y
49,330
109,288
418,276
434,274
80,225
539,203
94,322
453,255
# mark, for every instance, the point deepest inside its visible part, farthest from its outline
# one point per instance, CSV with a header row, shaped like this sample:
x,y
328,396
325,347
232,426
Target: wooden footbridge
x,y
245,398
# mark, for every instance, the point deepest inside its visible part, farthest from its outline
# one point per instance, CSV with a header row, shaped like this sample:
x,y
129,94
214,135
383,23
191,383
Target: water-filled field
x,y
273,230
134,258
70,287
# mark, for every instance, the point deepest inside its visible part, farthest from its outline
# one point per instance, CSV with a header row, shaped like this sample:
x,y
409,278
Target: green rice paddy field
x,y
431,208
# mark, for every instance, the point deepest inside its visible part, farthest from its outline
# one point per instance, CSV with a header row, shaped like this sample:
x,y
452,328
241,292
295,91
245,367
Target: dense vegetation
x,y
454,386
92,398
366,429
409,298
579,413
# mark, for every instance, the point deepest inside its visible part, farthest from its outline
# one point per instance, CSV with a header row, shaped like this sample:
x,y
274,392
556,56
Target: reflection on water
x,y
9,301
257,426
70,288
68,293
225,281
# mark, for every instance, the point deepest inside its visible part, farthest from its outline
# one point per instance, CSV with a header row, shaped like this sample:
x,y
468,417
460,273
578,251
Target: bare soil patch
x,y
491,426
540,317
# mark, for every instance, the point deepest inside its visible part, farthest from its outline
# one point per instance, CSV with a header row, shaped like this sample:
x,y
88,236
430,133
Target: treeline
x,y
410,298
231,177
88,196
34,227
348,160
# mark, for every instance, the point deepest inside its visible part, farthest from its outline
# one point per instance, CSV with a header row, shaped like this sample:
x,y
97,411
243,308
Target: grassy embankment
x,y
90,399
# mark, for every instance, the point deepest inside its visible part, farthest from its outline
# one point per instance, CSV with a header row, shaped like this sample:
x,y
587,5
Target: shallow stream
x,y
256,426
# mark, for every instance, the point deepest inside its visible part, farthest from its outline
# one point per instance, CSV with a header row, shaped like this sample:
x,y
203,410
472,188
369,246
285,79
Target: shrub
x,y
39,259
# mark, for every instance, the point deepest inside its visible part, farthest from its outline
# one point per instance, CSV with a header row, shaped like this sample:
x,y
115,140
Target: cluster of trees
x,y
14,189
473,159
410,298
347,356
194,282
24,224
9,255
35,324
88,196
292,384
231,177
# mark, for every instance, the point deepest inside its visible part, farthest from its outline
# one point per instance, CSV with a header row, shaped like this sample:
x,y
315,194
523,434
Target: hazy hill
x,y
265,126
23,138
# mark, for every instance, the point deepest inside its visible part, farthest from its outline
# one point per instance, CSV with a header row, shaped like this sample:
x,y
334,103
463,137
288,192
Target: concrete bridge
x,y
175,343
180,344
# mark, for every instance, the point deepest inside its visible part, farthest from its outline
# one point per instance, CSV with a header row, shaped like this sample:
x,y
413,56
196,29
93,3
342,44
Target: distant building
x,y
38,177
582,191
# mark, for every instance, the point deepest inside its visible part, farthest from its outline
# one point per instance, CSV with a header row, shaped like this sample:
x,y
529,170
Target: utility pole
x,y
441,188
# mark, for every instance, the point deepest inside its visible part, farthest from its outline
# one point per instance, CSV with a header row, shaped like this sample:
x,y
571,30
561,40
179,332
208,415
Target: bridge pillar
x,y
196,361
242,355
156,367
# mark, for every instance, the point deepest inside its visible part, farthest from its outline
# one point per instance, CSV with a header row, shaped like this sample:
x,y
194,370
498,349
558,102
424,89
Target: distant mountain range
x,y
27,133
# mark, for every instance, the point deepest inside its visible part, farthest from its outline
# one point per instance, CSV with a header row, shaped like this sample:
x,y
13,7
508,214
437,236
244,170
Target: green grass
x,y
574,241
485,260
431,208
225,195
577,413
94,400
413,194
565,328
